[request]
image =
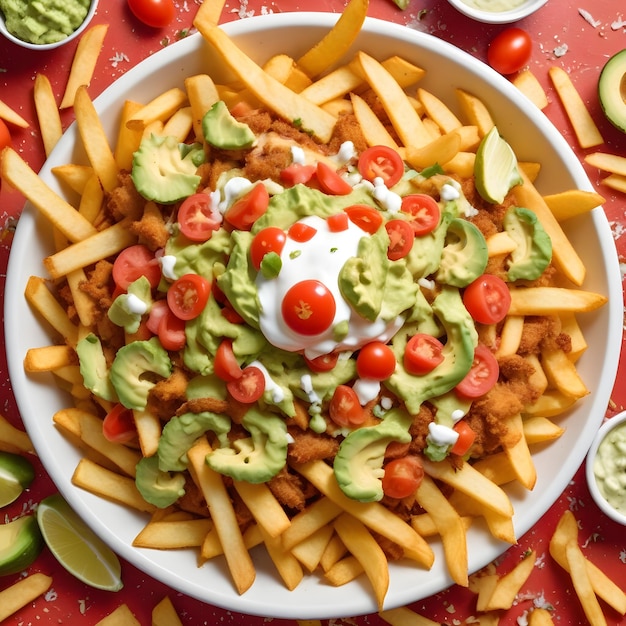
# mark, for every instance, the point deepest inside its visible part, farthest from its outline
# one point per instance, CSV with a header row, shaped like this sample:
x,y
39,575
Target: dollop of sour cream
x,y
320,258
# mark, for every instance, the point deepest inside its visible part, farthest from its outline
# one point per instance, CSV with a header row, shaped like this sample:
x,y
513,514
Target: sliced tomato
x,y
466,438
5,135
197,218
187,296
402,477
330,181
172,332
249,387
381,162
344,408
249,208
241,109
158,311
365,217
301,232
119,425
375,361
229,313
323,363
337,223
226,366
134,262
401,239
309,307
482,376
270,239
487,299
422,354
297,174
424,212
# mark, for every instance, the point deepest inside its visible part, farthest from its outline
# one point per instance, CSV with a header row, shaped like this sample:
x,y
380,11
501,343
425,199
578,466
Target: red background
x,y
561,37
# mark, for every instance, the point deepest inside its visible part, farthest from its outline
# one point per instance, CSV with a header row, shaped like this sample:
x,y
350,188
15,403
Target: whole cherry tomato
x,y
510,51
155,13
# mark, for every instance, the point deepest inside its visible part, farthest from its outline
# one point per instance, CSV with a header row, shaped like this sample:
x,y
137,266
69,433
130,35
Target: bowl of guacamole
x,y
46,24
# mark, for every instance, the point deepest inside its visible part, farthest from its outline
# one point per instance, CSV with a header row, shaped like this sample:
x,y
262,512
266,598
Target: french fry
x,y
484,588
13,439
507,587
48,358
518,453
539,429
47,113
11,116
562,373
121,616
475,111
582,584
173,535
374,130
344,571
404,616
180,124
159,109
553,300
615,181
500,243
439,112
22,593
440,150
552,402
148,431
572,202
528,84
210,11
266,510
317,515
584,127
309,551
164,614
511,335
128,140
570,326
607,162
337,40
286,563
84,63
540,617
74,176
202,94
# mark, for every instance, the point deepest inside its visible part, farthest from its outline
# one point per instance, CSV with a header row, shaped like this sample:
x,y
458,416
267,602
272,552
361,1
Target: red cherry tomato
x,y
482,376
487,299
197,219
381,162
156,13
402,477
158,311
171,332
365,217
225,365
344,408
270,239
229,313
296,174
422,354
249,387
309,307
5,135
331,182
401,239
424,212
119,425
301,232
323,363
465,440
134,262
337,223
376,361
510,51
188,295
247,210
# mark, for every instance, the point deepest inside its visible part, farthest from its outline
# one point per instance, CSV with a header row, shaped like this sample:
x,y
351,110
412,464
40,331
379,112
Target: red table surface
x,y
562,37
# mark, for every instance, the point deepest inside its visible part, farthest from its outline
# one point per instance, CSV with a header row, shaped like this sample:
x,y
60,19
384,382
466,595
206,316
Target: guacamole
x,y
43,21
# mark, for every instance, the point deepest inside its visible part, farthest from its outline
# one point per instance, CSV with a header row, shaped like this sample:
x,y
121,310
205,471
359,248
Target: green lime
x,y
495,168
16,474
77,548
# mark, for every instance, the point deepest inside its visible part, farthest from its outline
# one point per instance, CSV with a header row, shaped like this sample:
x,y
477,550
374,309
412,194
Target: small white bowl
x,y
607,427
49,46
526,8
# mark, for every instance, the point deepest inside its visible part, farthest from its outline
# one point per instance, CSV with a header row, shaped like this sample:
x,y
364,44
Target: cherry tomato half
x,y
323,363
402,477
424,212
5,135
249,387
197,218
158,311
487,299
466,438
225,365
296,174
365,217
375,361
119,425
301,232
309,307
249,208
134,262
344,408
270,239
401,239
331,182
171,332
337,223
510,51
482,376
156,13
422,354
187,296
381,162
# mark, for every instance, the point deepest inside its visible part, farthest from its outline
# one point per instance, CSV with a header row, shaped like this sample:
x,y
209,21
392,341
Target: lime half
x,y
495,168
16,474
77,548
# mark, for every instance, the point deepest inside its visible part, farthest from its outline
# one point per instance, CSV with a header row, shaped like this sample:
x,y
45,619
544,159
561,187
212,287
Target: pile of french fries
x,y
334,535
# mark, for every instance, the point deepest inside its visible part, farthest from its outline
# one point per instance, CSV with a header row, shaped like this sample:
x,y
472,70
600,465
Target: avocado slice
x,y
612,90
16,474
222,130
157,487
94,368
20,544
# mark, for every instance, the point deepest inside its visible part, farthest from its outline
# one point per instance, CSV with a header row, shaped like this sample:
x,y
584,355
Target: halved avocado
x,y
612,90
20,544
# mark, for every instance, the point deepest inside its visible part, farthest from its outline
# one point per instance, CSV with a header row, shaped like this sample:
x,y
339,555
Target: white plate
x,y
533,138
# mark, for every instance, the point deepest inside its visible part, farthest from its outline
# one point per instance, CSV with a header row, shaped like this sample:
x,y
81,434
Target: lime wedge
x,y
77,548
495,168
16,474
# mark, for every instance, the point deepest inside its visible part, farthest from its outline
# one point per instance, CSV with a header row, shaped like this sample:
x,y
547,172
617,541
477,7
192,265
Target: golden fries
x,y
21,593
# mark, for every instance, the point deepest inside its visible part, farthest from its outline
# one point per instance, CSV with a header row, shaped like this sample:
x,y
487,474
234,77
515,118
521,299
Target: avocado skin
x,y
610,91
24,549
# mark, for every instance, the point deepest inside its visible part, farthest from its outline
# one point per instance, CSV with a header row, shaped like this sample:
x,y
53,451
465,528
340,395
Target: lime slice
x,y
77,548
495,169
16,474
